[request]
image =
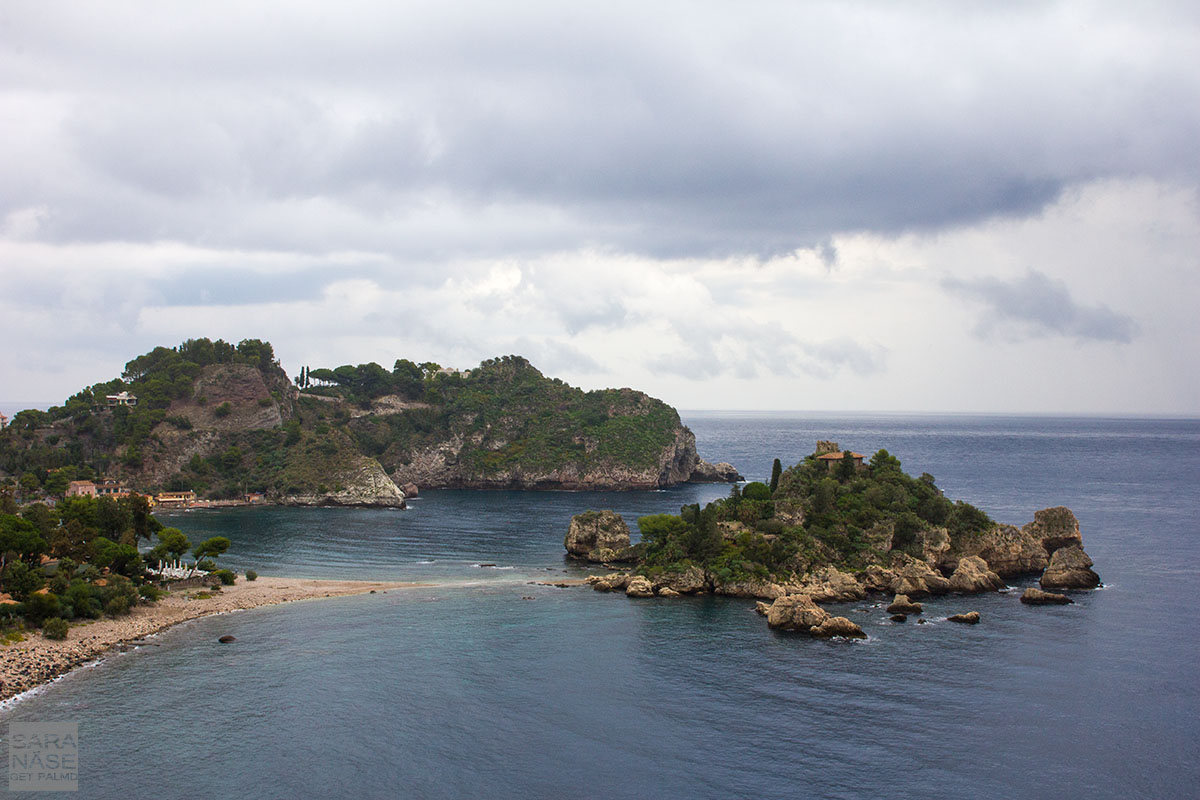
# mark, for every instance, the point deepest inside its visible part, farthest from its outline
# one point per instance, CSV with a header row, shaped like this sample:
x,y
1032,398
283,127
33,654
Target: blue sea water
x,y
468,689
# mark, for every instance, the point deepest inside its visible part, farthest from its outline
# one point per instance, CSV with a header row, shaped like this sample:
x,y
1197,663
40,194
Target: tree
x,y
756,490
211,548
824,496
172,544
72,540
846,467
120,558
19,539
776,471
20,581
144,524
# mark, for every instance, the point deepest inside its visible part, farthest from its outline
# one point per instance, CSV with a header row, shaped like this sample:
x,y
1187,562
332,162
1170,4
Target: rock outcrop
x,y
837,626
760,590
721,472
795,612
830,585
1070,568
916,578
615,582
1055,528
689,581
362,483
1036,597
1007,550
1011,551
969,618
600,536
639,586
972,576
902,605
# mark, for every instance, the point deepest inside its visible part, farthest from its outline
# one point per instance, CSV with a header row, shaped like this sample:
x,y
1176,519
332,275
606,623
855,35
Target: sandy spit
x,y
37,660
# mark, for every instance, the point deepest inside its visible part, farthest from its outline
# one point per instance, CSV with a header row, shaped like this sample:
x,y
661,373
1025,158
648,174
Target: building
x,y
121,399
113,489
81,489
833,459
175,499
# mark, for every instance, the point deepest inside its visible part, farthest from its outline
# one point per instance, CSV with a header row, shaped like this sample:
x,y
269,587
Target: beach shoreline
x,y
37,661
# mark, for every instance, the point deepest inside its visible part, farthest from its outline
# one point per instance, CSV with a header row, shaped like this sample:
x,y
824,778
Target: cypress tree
x,y
776,471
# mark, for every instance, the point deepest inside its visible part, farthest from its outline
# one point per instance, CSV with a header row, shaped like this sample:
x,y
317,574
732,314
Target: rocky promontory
x,y
225,421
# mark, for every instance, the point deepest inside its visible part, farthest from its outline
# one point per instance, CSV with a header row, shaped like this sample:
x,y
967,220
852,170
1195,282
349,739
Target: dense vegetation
x,y
83,438
838,514
80,560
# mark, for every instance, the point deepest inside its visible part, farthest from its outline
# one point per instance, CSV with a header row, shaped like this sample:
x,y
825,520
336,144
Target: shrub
x,y
149,592
756,490
223,410
117,605
227,577
55,628
251,575
40,607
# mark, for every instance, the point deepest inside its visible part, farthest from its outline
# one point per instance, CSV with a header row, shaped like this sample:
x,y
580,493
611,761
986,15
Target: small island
x,y
833,529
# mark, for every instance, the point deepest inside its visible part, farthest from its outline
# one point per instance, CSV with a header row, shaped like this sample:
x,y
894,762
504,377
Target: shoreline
x,y
38,661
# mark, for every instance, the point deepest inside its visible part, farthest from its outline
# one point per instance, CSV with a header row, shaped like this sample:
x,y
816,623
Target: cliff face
x,y
443,465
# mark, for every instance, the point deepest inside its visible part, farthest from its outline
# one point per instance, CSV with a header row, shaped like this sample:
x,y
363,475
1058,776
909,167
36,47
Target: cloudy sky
x,y
920,206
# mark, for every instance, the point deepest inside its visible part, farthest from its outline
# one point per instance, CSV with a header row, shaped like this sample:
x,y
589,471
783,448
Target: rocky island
x,y
832,529
224,422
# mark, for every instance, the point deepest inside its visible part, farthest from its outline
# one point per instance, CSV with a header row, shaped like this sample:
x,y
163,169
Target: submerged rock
x,y
969,618
1036,597
972,576
226,639
899,618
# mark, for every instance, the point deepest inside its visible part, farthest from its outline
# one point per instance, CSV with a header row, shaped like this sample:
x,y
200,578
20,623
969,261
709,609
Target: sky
x,y
841,206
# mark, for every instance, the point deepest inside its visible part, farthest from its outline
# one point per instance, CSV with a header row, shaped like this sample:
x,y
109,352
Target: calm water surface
x,y
470,689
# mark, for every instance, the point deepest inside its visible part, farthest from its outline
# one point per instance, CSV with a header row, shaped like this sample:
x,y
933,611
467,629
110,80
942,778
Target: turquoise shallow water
x,y
468,689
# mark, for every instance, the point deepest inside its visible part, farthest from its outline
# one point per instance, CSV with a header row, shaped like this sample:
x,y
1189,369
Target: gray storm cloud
x,y
1035,305
672,130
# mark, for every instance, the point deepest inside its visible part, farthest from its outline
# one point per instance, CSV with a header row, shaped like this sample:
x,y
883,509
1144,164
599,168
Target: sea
x,y
488,684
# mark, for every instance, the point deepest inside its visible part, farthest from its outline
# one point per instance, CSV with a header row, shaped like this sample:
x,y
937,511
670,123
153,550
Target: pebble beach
x,y
37,660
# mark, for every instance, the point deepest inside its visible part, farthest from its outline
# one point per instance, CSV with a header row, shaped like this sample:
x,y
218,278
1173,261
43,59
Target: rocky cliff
x,y
447,463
